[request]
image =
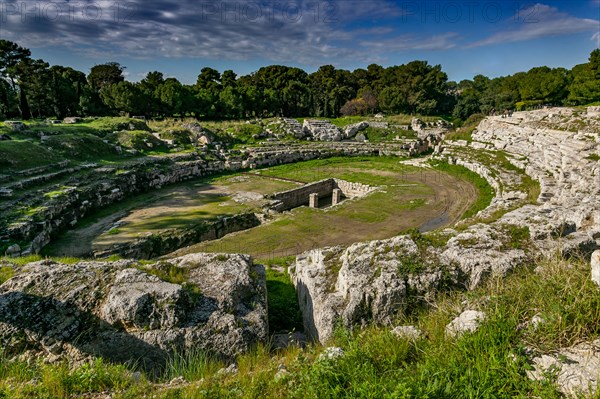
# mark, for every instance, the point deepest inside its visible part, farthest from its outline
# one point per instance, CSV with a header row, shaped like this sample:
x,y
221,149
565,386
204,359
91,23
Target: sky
x,y
180,37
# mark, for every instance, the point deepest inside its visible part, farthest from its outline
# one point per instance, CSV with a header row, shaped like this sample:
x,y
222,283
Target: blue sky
x,y
180,37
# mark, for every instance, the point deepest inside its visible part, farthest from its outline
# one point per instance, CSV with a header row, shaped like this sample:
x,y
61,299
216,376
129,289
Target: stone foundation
x,y
309,194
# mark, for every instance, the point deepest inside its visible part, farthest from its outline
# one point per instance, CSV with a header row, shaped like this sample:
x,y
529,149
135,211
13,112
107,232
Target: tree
x,y
67,88
11,54
105,75
209,79
34,80
585,87
171,94
122,97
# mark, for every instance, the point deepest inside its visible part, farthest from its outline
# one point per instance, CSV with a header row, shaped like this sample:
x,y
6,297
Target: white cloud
x,y
313,34
539,21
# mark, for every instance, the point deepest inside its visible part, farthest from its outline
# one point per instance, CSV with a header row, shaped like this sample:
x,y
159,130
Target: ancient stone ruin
x,y
321,193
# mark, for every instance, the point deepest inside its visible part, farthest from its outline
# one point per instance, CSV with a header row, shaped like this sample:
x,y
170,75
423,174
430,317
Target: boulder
x,y
13,250
360,138
367,282
575,370
596,267
5,137
16,126
321,130
123,312
351,130
417,124
194,127
72,120
467,321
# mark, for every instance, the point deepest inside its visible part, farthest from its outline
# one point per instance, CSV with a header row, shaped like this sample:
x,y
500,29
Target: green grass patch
x,y
284,311
139,140
82,147
6,272
17,155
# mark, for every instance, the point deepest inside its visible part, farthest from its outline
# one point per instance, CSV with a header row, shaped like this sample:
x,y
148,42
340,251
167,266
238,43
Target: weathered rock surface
x,y
16,126
321,130
351,130
379,280
467,321
595,263
576,369
124,313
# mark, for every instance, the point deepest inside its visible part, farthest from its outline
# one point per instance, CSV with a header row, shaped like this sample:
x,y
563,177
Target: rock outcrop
x,y
379,280
575,370
595,263
321,130
123,312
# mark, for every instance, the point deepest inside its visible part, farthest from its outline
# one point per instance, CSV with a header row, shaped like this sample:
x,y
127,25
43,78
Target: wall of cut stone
x,y
299,196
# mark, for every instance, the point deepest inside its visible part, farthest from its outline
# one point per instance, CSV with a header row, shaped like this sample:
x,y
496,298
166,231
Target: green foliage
x,y
593,157
192,365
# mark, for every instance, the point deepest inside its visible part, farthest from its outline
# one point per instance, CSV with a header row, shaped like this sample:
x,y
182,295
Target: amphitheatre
x,y
133,255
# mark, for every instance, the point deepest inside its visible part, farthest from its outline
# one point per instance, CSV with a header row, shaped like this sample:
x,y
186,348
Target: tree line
x,y
31,88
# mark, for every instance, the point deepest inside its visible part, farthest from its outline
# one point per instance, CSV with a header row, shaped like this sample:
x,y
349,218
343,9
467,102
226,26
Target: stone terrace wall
x,y
353,190
299,196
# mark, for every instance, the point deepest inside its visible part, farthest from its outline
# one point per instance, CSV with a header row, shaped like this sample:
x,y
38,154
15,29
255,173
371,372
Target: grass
x,y
284,312
80,147
18,155
405,200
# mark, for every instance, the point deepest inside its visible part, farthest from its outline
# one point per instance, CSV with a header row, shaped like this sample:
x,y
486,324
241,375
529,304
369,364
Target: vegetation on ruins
x,y
30,88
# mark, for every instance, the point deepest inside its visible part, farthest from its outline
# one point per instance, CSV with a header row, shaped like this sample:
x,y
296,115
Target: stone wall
x,y
155,245
296,197
353,190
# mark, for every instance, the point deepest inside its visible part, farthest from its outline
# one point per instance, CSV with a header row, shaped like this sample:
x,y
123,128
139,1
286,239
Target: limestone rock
x,y
72,120
596,267
467,321
120,311
351,130
16,126
409,332
367,282
577,369
13,250
321,130
194,127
